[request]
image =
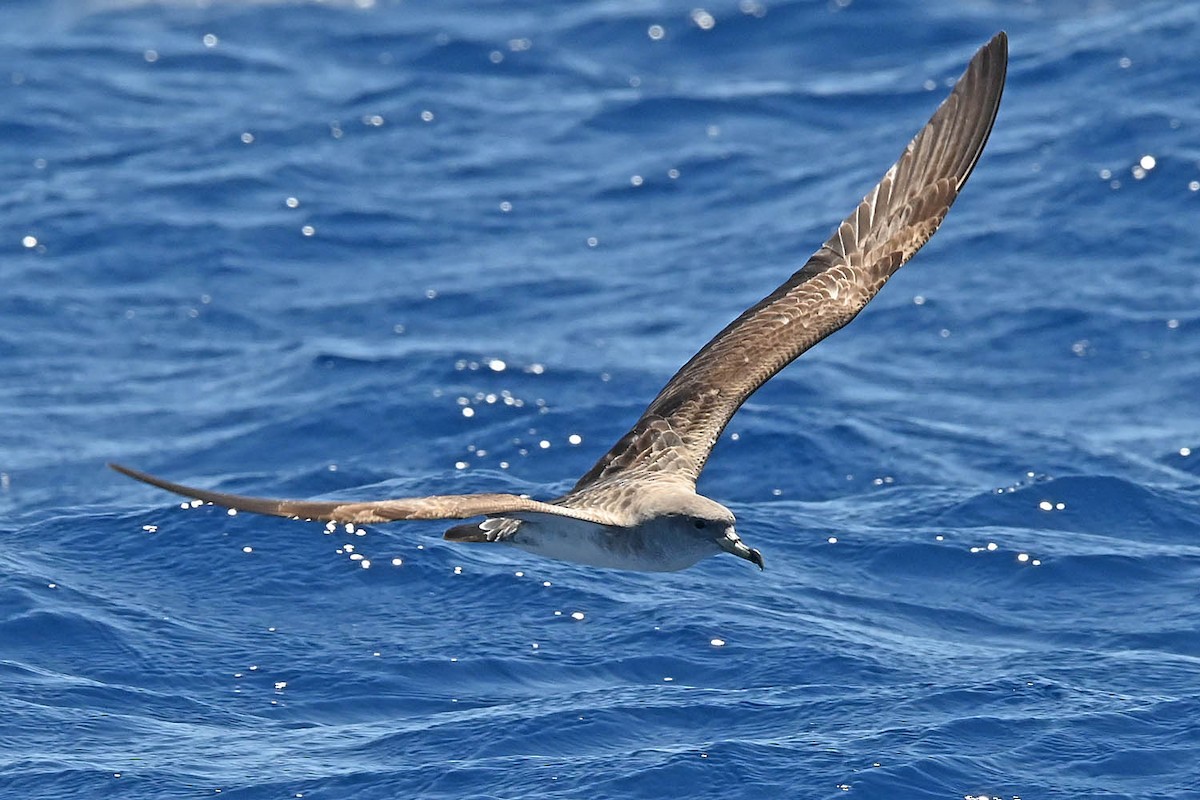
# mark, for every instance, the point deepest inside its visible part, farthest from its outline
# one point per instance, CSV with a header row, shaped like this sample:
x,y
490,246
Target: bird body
x,y
664,544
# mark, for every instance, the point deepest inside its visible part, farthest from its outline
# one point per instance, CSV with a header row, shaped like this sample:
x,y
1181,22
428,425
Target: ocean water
x,y
377,249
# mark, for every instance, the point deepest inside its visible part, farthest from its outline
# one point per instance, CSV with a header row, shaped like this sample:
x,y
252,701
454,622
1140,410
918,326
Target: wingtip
x,y
136,474
161,483
998,47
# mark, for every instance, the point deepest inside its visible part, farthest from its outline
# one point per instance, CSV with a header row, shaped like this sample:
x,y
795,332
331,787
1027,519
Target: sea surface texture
x,y
370,249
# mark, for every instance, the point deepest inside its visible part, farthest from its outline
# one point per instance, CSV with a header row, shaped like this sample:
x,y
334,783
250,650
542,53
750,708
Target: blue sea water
x,y
371,249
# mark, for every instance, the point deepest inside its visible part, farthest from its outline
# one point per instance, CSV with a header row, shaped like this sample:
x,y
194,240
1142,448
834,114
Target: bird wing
x,y
450,506
673,438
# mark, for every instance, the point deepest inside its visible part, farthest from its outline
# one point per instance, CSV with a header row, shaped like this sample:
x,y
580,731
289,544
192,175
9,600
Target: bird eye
x,y
699,523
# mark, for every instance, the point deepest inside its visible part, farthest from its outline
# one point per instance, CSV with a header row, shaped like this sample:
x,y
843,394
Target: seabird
x,y
637,508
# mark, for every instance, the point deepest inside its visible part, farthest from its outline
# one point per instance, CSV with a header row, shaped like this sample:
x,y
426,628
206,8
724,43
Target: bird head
x,y
709,519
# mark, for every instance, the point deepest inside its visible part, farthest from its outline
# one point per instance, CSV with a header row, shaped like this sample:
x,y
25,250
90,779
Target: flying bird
x,y
637,508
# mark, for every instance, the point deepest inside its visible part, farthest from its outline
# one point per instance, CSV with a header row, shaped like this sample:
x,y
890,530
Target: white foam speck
x,y
703,20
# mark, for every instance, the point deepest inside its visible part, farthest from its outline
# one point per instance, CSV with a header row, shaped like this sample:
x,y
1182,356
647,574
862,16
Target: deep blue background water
x,y
162,305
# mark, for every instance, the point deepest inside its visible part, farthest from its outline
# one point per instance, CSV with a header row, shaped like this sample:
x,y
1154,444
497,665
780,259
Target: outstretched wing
x,y
450,506
675,435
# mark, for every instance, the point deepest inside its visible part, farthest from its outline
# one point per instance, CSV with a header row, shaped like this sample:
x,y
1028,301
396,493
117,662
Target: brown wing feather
x,y
452,506
675,435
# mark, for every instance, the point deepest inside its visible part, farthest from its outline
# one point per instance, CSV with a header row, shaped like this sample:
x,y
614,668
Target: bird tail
x,y
492,529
